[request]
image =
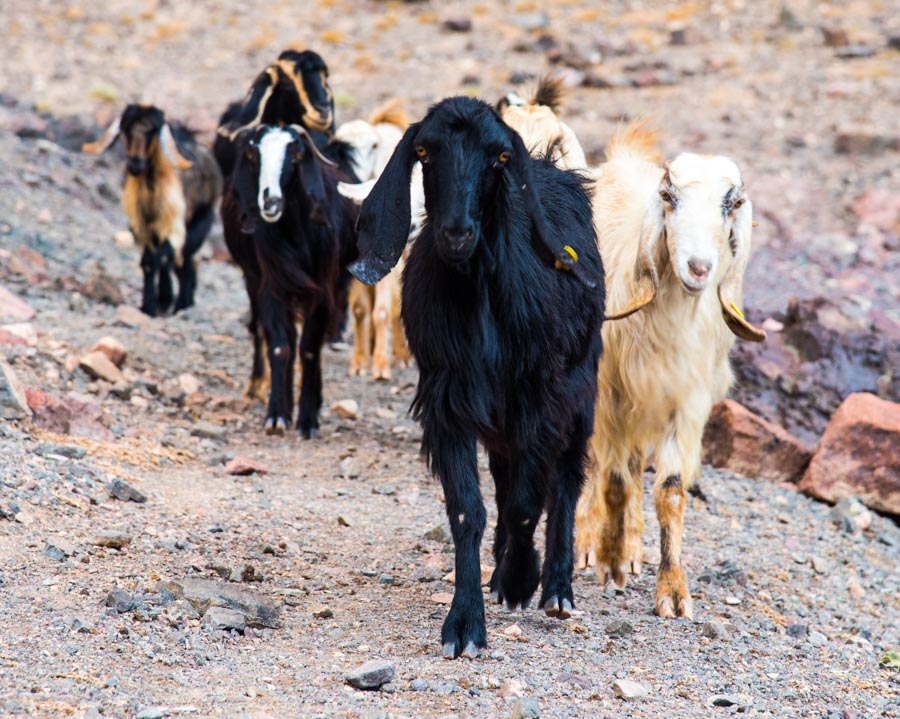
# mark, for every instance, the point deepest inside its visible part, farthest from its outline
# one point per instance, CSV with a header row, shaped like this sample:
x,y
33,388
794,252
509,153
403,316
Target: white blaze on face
x,y
698,230
272,148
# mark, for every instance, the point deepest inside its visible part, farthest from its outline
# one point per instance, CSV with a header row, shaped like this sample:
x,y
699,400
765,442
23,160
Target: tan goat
x,y
675,240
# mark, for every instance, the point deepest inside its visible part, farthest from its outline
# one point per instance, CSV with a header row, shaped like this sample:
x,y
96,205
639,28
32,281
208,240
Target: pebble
x,y
189,383
346,408
512,688
442,597
350,468
716,630
458,24
222,618
819,565
629,690
797,630
122,490
420,685
153,713
817,639
113,349
385,579
208,430
732,601
244,466
437,534
131,317
619,628
322,612
13,402
62,546
513,630
112,539
525,708
729,700
371,675
427,574
99,366
121,600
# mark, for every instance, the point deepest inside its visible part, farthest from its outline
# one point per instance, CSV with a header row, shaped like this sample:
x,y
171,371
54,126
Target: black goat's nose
x,y
272,205
699,268
457,239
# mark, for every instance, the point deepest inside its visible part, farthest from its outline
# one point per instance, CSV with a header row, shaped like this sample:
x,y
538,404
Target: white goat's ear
x,y
645,273
730,290
356,192
105,142
170,149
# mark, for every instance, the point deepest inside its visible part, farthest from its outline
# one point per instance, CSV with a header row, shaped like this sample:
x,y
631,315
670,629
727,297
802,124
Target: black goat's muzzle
x,y
456,245
136,165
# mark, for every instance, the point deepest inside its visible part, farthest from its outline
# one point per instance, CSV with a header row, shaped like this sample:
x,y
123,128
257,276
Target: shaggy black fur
x,y
505,326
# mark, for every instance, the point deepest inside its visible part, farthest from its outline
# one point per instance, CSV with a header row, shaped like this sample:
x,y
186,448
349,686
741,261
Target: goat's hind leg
x,y
150,268
314,329
166,261
276,320
454,461
195,234
500,472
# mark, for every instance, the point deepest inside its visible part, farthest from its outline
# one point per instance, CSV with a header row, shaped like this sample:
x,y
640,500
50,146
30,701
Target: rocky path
x,y
334,553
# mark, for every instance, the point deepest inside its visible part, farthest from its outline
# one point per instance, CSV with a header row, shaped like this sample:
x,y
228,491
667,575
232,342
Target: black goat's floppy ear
x,y
383,225
564,256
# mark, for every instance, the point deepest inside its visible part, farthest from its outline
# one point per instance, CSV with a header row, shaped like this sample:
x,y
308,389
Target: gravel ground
x,y
346,535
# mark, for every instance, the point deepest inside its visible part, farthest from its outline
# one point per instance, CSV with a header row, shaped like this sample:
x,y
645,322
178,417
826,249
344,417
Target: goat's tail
x,y
637,139
392,113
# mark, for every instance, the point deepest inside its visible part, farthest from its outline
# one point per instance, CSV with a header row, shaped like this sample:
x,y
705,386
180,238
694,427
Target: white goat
x,y
675,240
373,143
539,125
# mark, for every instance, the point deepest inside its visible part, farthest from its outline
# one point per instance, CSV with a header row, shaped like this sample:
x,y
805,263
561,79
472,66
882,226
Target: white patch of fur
x,y
272,147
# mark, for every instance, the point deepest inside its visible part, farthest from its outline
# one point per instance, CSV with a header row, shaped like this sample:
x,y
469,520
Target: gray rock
x,y
420,685
208,430
13,404
629,690
122,490
817,639
386,579
437,534
153,713
428,574
45,449
350,468
797,631
729,700
121,600
371,675
619,628
112,538
180,611
259,611
59,548
716,630
222,618
525,708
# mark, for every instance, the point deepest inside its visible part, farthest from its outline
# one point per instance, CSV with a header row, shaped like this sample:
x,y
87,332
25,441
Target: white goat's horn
x,y
170,149
324,160
104,143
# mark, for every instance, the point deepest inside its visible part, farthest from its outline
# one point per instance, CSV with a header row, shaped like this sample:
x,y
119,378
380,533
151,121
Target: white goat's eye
x,y
667,197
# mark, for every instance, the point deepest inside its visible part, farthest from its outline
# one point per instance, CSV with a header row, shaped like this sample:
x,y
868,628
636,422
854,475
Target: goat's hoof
x,y
471,651
309,433
276,426
560,609
449,651
381,373
523,605
672,596
496,597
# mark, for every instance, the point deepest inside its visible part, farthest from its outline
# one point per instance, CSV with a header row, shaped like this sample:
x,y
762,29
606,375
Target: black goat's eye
x,y
503,158
298,155
421,152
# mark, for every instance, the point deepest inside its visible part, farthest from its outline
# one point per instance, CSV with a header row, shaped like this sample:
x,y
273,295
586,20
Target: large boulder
x,y
859,455
743,442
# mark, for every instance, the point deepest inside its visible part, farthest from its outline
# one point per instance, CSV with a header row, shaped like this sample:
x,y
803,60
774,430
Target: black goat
x,y
292,235
171,188
507,346
292,90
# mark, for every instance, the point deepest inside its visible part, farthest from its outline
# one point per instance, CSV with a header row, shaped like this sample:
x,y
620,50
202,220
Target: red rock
x,y
879,208
100,286
13,402
113,349
11,338
743,442
859,455
98,365
242,466
14,308
76,414
19,333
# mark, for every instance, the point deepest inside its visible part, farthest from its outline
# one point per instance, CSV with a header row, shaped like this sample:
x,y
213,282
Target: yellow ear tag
x,y
737,311
574,255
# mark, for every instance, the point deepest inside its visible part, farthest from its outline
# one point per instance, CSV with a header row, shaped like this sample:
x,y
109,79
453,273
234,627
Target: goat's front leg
x,y
499,466
257,387
166,258
361,307
454,461
277,319
314,328
557,599
676,467
381,315
150,268
187,283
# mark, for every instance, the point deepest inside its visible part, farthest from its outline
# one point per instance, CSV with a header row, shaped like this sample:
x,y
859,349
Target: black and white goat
x,y
504,322
292,235
171,188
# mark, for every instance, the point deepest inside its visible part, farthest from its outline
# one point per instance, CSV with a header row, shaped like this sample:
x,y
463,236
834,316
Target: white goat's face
x,y
700,194
273,146
540,128
364,140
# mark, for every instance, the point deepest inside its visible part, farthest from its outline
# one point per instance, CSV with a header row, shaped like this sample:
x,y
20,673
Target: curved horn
x,y
300,130
105,142
170,149
645,273
730,289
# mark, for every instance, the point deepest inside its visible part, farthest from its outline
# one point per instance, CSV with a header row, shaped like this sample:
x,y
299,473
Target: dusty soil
x,y
809,606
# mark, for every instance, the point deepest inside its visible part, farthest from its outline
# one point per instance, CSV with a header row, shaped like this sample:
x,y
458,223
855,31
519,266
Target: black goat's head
x,y
145,130
309,73
469,156
275,163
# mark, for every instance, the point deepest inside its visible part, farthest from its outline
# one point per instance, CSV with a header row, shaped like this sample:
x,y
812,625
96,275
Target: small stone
x,y
629,690
62,546
819,565
458,24
350,468
385,413
100,286
437,534
619,628
112,539
113,349
131,317
122,490
342,521
259,611
13,399
427,574
420,685
346,408
153,713
817,639
322,612
222,618
729,700
99,366
442,597
121,600
208,430
513,631
124,239
732,601
525,708
244,466
797,631
13,308
835,37
189,383
371,675
512,688
716,630
385,579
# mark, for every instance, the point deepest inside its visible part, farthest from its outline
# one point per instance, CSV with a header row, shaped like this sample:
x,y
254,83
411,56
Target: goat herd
x,y
499,226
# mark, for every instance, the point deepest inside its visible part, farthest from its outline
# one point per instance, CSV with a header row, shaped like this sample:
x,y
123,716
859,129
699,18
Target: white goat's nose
x,y
699,269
